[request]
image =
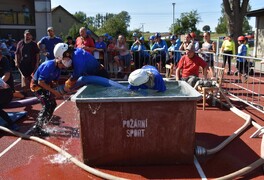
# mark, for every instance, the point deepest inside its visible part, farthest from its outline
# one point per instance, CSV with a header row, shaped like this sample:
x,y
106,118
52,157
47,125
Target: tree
x,y
186,23
115,25
81,16
235,12
206,28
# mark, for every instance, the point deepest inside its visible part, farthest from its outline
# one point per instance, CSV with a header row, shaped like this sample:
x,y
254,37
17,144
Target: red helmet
x,y
192,34
241,38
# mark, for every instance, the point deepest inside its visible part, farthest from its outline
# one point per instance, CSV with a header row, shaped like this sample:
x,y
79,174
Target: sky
x,y
153,15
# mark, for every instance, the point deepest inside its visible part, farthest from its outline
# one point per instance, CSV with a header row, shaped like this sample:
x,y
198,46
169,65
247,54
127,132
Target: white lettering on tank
x,y
135,127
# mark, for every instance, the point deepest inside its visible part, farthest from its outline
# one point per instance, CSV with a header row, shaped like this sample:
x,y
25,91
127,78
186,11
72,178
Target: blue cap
x,y
106,34
151,37
88,32
157,35
110,38
141,38
173,37
134,34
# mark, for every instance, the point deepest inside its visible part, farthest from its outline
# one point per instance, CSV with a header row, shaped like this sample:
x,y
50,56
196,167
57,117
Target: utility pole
x,y
142,27
173,17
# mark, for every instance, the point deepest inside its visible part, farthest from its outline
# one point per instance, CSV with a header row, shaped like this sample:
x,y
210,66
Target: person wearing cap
x,y
44,82
111,53
151,41
26,59
139,53
160,49
100,49
188,67
174,56
49,42
148,77
194,41
242,63
84,41
228,47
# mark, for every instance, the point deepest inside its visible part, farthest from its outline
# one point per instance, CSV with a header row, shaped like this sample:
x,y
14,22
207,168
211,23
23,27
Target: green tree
x,y
117,24
81,16
233,19
186,23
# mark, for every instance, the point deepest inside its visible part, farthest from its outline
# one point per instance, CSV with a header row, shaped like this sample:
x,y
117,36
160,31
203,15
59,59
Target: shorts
x,y
126,59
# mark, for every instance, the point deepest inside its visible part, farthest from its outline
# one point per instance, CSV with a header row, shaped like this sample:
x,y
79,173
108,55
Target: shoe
x,y
38,131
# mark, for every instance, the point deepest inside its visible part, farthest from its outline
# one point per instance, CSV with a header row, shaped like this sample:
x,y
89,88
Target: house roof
x,y
256,13
77,20
60,7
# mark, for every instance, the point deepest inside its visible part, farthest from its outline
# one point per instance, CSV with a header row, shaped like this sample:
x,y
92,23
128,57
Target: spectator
x,y
6,97
139,52
100,49
160,49
148,77
111,53
123,60
43,83
242,64
49,42
208,47
194,41
70,42
186,42
174,56
6,75
228,47
84,41
188,66
27,59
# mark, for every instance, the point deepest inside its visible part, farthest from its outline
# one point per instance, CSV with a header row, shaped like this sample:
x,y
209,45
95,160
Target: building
x,y
259,33
18,15
62,21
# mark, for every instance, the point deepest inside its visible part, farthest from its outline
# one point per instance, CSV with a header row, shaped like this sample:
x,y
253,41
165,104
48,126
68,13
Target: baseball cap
x,y
50,29
27,31
138,77
173,37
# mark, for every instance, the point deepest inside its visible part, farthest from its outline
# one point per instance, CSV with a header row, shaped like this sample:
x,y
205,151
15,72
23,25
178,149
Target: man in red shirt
x,y
188,66
84,41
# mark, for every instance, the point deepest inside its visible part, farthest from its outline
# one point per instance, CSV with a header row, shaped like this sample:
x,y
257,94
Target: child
x,y
242,62
42,85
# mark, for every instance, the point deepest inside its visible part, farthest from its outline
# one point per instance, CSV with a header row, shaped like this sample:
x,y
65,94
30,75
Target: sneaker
x,y
38,131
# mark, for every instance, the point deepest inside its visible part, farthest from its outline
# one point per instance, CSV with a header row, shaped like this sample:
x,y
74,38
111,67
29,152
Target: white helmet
x,y
59,49
138,77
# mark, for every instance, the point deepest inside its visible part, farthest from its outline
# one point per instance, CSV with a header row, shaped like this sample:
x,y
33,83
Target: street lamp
x,y
173,10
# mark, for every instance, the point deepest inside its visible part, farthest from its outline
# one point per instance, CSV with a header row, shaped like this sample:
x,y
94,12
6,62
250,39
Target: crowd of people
x,y
40,64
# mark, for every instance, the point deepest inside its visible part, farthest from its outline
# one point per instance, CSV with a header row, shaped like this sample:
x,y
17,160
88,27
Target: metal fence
x,y
249,91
